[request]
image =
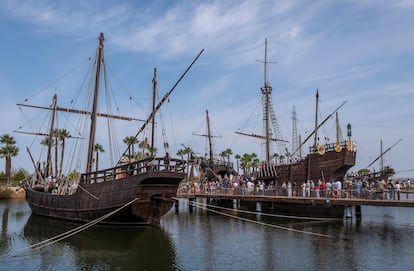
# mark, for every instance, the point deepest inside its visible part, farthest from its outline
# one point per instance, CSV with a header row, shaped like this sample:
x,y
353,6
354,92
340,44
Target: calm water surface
x,y
200,240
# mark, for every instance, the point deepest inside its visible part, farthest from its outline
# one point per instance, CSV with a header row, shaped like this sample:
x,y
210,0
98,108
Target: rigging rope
x,y
275,215
195,204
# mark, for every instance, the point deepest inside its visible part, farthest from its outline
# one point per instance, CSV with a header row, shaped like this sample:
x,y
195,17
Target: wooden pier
x,y
303,200
314,206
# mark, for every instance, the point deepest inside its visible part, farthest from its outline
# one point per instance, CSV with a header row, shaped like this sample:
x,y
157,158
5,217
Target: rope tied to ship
x,y
205,207
64,235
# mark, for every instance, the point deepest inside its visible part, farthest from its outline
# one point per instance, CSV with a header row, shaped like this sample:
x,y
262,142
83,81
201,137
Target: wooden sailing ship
x,y
212,167
323,162
132,192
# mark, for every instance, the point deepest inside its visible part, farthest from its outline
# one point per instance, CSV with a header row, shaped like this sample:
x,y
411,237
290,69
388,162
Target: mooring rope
x,y
66,234
259,222
275,215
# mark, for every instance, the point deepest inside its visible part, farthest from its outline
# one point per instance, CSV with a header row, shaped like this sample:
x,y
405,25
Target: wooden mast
x,y
164,98
210,144
154,96
338,130
315,143
99,61
50,138
266,90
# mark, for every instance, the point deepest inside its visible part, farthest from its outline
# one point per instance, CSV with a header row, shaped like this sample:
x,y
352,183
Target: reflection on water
x,y
203,240
97,248
103,247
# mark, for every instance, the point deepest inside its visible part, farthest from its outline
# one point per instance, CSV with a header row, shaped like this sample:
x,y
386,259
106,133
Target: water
x,y
201,240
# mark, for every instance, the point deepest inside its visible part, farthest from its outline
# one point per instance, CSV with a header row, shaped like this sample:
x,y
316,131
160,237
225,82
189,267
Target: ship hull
x,y
330,166
152,195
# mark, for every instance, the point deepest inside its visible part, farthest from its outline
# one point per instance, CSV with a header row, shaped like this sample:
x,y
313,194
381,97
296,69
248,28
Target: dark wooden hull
x,y
214,169
154,192
331,165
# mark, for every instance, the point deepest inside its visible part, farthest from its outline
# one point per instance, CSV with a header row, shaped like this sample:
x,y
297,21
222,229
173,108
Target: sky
x,y
361,52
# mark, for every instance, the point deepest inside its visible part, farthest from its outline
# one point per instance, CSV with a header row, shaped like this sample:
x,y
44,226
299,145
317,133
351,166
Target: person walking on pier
x,y
397,188
390,188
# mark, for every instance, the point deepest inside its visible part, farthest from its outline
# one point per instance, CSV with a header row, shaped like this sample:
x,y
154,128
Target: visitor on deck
x,y
167,161
397,188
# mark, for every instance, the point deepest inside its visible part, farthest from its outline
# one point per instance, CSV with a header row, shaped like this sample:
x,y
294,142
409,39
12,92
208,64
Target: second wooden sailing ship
x,y
323,162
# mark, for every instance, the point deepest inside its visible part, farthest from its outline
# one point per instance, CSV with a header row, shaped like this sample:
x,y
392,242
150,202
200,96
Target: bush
x,y
5,193
19,175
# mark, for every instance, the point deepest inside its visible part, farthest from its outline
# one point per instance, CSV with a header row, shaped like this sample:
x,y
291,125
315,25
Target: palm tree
x,y
281,158
62,134
56,137
228,152
181,153
223,154
130,141
275,156
8,151
237,156
254,161
288,156
144,146
245,163
97,148
46,167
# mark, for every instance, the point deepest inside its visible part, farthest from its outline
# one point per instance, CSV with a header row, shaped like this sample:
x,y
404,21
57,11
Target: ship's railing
x,y
332,146
130,168
223,163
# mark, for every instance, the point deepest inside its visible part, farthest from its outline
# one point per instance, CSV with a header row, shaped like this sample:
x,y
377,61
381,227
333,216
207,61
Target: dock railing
x,y
345,193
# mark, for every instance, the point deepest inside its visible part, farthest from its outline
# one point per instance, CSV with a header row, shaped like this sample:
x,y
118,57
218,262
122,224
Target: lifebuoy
x,y
335,193
338,147
321,149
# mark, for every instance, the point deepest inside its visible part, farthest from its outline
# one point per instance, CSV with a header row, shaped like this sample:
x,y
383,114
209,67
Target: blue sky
x,y
359,51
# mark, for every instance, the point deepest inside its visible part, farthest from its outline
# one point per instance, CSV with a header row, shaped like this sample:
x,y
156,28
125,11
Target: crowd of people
x,y
350,188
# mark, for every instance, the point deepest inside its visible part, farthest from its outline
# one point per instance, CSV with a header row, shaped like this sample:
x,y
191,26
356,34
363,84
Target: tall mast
x,y
382,158
339,137
50,138
266,91
99,61
210,144
316,119
294,131
154,95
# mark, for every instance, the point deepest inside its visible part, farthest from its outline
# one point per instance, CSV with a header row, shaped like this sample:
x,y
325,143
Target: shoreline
x,y
14,192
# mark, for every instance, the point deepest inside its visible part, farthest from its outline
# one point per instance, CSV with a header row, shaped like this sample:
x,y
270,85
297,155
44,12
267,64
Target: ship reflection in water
x,y
199,239
100,247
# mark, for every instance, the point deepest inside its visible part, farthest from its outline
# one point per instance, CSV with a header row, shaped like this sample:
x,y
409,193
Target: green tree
x,y
245,163
144,146
62,134
363,171
275,156
226,153
237,157
281,158
19,175
181,153
7,151
130,141
98,148
47,168
288,155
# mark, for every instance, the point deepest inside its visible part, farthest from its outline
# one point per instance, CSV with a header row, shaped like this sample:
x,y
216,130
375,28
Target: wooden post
x,y
348,212
358,213
176,205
